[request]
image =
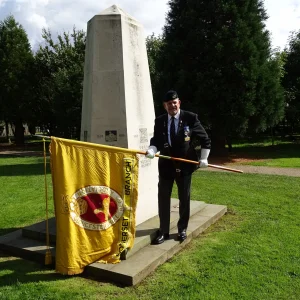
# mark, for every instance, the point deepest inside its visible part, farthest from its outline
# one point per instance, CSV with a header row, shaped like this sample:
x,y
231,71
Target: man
x,y
180,134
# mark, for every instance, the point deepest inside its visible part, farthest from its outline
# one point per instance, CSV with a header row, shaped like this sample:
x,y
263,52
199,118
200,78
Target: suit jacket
x,y
190,135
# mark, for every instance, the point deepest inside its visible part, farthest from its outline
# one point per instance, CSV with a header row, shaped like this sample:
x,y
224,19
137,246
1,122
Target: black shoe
x,y
182,235
160,238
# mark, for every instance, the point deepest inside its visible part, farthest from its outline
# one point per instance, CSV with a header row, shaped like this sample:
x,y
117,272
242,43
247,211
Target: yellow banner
x,y
95,196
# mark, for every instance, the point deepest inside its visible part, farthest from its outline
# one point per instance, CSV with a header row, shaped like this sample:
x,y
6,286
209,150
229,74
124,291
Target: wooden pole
x,y
174,158
193,162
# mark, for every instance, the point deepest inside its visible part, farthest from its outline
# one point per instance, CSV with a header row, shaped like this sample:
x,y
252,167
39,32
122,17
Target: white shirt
x,y
176,121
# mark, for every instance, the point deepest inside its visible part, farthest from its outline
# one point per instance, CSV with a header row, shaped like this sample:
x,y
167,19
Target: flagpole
x,y
43,136
165,157
48,255
193,162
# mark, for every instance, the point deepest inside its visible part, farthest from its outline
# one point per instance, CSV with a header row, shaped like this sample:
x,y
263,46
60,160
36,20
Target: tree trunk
x,y
218,144
7,131
272,135
19,133
31,129
229,143
12,127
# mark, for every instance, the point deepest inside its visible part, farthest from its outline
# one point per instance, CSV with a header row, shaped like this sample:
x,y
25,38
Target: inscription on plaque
x,y
143,135
111,136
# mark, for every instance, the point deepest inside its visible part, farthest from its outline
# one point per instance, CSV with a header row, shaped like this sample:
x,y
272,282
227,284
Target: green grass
x,y
251,253
279,162
22,198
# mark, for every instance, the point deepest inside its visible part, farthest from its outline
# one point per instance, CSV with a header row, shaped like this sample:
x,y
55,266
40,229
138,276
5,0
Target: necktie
x,y
172,132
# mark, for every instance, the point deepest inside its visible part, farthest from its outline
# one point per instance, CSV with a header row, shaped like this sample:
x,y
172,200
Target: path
x,y
262,170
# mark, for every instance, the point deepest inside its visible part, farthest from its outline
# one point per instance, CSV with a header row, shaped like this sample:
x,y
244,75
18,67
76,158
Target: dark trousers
x,y
164,201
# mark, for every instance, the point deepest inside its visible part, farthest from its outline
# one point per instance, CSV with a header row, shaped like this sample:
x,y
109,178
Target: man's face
x,y
172,106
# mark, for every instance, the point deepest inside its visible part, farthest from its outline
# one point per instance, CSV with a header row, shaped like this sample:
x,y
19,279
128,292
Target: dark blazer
x,y
190,135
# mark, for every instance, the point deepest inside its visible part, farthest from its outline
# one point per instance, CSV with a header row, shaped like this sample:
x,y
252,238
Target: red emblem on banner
x,y
96,207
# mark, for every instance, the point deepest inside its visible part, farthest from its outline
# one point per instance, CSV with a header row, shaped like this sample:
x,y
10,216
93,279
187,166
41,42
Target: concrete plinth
x,y
117,105
144,258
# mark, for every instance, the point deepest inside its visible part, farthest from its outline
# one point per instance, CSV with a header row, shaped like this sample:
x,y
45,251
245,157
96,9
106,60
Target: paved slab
x,y
145,231
143,259
15,244
146,260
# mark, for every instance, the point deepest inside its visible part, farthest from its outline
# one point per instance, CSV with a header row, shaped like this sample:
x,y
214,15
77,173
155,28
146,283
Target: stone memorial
x,y
117,107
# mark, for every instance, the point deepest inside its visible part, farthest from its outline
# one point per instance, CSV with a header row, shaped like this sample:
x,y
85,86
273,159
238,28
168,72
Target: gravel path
x,y
15,153
262,170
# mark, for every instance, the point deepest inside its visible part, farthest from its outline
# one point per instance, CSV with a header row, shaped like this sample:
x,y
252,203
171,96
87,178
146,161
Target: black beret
x,y
170,95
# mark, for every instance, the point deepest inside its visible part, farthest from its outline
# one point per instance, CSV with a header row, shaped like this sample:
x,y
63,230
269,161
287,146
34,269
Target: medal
x,y
186,130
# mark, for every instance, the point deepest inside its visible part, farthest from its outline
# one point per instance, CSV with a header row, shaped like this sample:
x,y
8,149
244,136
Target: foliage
x,y
217,55
59,76
16,61
154,47
291,81
269,103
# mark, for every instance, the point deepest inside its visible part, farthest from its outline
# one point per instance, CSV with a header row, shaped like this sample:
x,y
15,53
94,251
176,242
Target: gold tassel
x,y
48,256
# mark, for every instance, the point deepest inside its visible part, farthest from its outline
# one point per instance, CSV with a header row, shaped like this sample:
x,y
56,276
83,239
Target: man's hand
x,y
203,163
150,153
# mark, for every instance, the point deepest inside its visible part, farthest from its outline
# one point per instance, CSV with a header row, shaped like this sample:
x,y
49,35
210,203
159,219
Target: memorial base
x,y
140,261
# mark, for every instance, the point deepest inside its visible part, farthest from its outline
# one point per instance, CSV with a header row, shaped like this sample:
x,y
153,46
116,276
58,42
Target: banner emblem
x,y
96,207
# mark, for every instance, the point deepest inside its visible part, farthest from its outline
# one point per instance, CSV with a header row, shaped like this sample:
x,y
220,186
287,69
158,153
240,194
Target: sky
x,y
62,15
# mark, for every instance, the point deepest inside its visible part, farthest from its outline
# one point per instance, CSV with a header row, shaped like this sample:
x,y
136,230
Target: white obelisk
x,y
118,105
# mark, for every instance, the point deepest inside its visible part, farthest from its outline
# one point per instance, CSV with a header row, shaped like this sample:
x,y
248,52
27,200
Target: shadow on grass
x,y
23,169
268,152
257,152
30,145
24,271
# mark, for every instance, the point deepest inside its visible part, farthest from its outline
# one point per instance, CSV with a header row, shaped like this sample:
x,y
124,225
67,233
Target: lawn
x,y
251,253
22,192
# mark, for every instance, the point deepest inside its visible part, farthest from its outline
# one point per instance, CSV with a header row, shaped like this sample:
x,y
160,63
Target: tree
x,y
154,47
217,55
291,81
269,103
59,73
16,60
